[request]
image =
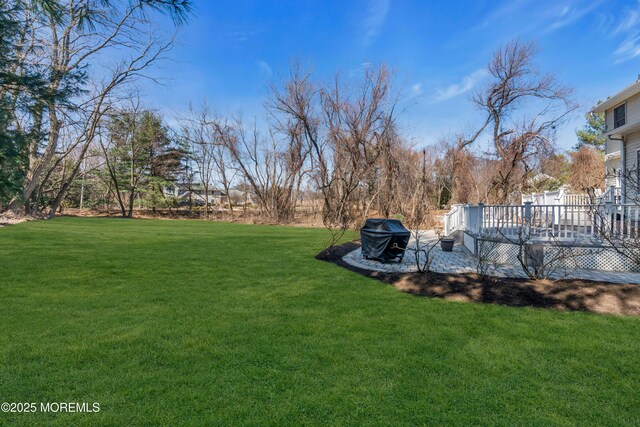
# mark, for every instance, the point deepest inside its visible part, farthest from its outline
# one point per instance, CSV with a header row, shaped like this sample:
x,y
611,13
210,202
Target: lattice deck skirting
x,y
562,257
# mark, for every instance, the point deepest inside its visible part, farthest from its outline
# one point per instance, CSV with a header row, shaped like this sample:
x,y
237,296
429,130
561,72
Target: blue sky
x,y
231,51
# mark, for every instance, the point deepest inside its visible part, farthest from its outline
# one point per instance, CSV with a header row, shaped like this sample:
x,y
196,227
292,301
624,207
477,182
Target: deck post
x,y
612,193
527,217
447,224
467,217
609,222
480,216
473,224
527,211
560,200
461,217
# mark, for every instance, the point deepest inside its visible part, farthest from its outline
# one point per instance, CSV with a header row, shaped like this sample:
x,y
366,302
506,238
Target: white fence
x,y
560,197
547,222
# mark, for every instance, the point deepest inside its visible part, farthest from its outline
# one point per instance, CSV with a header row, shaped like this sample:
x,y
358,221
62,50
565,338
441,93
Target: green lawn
x,y
189,322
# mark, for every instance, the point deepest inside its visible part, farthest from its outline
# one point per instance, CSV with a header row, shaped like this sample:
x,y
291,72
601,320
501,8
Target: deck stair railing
x,y
454,219
613,194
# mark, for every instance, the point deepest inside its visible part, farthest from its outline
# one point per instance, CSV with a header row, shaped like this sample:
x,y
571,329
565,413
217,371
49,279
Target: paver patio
x,y
460,261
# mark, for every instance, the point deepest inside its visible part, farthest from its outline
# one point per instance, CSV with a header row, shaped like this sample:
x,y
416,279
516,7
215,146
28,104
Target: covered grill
x,y
383,239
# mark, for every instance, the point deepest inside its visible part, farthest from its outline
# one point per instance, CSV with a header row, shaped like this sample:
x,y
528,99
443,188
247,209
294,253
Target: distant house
x,y
540,177
239,197
622,153
195,192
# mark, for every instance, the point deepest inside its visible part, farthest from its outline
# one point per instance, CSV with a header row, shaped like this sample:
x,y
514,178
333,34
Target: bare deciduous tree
x,y
587,170
518,139
350,136
272,166
223,162
198,131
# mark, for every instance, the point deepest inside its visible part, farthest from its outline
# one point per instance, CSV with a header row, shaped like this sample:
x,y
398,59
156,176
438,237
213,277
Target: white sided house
x,y
622,139
193,191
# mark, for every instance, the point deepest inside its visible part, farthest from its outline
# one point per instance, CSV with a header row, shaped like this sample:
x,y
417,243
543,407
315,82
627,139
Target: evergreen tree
x,y
591,135
23,92
141,158
12,163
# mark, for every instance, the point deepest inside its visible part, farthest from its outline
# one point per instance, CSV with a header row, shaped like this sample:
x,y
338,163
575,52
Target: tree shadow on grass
x,y
567,294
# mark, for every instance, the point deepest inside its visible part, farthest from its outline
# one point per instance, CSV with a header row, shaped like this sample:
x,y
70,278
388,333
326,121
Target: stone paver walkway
x,y
461,261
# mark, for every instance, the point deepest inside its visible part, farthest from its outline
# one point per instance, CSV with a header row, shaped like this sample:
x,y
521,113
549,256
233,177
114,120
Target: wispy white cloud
x,y
629,29
464,86
375,17
360,70
265,70
416,89
565,15
604,23
629,49
241,35
412,93
542,16
500,14
630,21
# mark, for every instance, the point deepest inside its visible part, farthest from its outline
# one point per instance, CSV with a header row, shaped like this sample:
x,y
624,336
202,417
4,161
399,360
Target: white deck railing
x,y
624,222
546,222
570,221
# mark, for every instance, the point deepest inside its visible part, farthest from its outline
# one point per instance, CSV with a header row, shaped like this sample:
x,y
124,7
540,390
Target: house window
x,y
619,116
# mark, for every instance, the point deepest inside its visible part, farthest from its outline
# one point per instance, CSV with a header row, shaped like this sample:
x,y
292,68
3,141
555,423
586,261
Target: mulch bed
x,y
568,294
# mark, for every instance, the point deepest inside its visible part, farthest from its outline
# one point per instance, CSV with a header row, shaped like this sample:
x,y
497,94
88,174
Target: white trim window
x,y
620,115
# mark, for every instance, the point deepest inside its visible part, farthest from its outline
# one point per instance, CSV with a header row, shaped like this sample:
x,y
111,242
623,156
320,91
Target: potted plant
x,y
447,244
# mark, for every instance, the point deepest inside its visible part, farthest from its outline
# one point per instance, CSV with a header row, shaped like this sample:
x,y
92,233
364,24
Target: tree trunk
x,y
19,203
132,197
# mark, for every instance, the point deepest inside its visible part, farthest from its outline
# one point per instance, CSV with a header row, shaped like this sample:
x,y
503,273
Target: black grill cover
x,y
383,239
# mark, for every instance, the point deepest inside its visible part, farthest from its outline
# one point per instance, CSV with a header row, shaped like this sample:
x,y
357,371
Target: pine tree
x,y
12,159
141,158
591,135
23,92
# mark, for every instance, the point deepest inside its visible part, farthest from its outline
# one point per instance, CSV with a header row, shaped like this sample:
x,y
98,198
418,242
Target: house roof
x,y
540,177
195,186
237,193
613,101
623,130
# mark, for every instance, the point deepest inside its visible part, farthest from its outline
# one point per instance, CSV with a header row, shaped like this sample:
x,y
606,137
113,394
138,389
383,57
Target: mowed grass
x,y
189,322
